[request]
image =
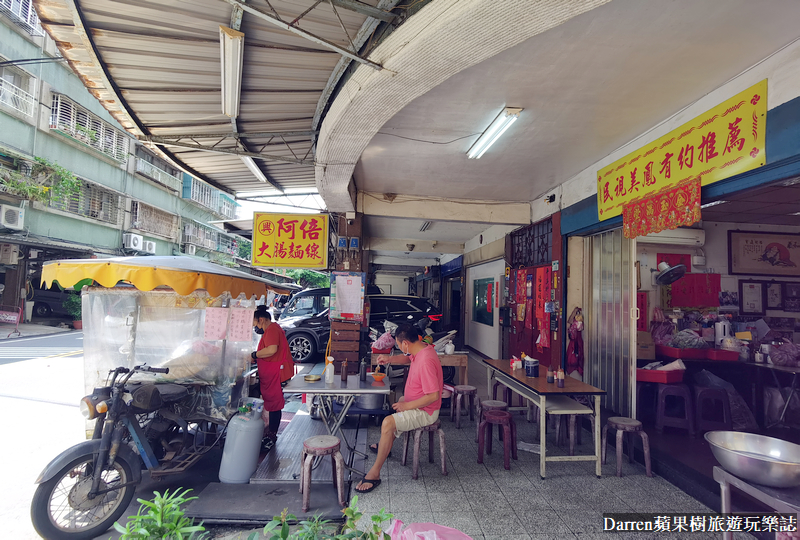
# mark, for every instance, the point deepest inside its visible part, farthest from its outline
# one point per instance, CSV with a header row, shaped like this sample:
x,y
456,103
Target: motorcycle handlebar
x,y
152,369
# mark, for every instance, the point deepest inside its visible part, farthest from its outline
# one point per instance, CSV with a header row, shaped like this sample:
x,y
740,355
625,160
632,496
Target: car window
x,y
324,302
301,305
393,305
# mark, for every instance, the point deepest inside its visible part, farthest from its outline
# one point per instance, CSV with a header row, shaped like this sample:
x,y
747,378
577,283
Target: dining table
x,y
327,394
458,360
538,390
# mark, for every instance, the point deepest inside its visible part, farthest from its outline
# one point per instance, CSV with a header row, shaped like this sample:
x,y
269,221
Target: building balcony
x,y
151,171
22,14
16,97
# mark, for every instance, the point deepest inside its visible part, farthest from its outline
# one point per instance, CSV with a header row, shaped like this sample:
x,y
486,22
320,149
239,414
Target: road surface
x,y
41,383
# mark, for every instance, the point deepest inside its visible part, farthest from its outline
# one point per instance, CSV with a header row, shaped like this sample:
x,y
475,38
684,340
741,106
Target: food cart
x,y
189,315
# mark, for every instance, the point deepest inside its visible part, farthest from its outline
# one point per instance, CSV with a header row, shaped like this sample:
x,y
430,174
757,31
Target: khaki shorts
x,y
413,419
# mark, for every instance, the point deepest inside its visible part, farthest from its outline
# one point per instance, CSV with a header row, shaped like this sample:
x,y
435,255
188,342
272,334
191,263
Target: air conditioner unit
x,y
677,237
9,254
150,247
12,217
189,249
133,241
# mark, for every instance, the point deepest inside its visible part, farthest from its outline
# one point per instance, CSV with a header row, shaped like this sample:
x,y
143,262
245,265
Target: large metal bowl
x,y
759,459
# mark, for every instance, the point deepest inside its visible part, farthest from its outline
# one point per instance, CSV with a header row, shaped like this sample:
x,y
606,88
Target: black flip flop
x,y
375,483
374,449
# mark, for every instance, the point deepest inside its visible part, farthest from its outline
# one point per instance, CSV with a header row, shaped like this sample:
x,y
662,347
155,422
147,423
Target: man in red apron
x,y
273,358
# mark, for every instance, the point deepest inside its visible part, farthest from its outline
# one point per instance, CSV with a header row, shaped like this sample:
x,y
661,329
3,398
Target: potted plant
x,y
72,305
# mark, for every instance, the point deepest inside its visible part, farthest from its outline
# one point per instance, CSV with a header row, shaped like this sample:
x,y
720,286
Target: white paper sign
x,y
348,295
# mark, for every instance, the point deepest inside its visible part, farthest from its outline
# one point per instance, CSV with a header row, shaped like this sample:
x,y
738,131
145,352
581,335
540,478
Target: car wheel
x,y
302,348
41,309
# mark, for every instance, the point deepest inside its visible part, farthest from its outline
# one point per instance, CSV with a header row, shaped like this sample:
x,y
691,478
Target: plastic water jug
x,y
242,447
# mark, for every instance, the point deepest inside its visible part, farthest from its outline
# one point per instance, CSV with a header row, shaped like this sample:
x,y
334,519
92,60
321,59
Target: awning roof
x,y
155,65
182,274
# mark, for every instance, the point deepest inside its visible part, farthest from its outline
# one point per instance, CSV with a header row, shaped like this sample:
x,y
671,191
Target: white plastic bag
x,y
423,531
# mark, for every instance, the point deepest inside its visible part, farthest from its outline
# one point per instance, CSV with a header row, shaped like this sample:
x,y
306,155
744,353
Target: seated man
x,y
420,405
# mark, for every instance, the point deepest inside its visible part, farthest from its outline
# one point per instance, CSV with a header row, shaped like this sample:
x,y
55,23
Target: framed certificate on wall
x,y
752,297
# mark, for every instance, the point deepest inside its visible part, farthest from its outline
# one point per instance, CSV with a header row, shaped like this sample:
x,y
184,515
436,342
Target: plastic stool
x,y
460,391
319,446
436,427
483,407
686,421
501,418
702,397
625,425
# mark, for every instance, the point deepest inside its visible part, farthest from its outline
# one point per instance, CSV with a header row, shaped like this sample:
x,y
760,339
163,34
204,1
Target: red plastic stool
x,y
680,391
704,396
501,418
321,445
460,391
482,407
625,425
436,427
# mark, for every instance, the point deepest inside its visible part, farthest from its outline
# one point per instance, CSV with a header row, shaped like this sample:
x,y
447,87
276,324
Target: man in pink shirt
x,y
421,401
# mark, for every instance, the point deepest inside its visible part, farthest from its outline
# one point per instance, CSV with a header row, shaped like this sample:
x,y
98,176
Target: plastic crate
x,y
722,355
674,353
659,376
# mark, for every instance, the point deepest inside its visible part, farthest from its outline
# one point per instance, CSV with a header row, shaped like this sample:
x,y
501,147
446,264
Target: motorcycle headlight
x,y
90,407
87,408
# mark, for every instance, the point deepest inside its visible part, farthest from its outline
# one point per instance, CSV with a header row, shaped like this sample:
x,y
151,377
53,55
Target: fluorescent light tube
x,y
715,203
231,49
499,126
251,164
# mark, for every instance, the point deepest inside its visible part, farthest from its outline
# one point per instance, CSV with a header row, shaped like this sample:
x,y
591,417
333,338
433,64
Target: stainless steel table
x,y
327,392
785,501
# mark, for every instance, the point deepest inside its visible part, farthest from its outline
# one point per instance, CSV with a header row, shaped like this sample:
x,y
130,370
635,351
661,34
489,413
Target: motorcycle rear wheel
x,y
61,510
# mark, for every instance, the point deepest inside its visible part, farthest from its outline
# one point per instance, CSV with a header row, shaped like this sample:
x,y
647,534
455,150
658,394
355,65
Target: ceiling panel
x,y
588,87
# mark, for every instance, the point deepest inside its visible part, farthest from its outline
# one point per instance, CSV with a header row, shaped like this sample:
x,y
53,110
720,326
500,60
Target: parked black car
x,y
47,302
305,317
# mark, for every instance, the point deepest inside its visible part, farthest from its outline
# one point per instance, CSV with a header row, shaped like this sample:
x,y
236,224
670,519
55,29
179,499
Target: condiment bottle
x,y
362,370
550,374
560,379
344,370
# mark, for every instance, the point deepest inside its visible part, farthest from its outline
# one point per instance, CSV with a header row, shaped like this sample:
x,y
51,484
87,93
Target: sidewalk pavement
x,y
30,330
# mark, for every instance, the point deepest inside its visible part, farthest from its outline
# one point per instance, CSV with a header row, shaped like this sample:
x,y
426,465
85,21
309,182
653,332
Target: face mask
x,y
258,330
405,352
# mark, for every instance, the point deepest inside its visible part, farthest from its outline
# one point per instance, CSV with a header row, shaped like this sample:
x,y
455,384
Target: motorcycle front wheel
x,y
62,510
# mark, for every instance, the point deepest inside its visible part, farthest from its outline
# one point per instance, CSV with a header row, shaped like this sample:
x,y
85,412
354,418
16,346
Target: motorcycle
x,y
84,490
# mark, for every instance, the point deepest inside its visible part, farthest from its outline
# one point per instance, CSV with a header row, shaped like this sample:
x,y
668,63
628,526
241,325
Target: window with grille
x,y
227,206
532,245
14,86
91,201
150,219
75,121
200,235
23,15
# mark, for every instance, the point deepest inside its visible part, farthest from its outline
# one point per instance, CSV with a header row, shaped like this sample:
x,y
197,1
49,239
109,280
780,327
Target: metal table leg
x,y
788,399
597,442
725,503
542,435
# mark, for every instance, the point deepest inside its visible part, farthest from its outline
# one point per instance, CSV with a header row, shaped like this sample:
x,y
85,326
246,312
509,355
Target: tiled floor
x,y
487,502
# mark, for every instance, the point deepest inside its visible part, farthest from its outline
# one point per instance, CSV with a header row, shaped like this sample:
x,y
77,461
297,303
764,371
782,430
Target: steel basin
x,y
759,459
370,401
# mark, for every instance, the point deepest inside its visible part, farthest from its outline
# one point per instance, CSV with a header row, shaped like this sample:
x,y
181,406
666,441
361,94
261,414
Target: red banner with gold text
x,y
679,206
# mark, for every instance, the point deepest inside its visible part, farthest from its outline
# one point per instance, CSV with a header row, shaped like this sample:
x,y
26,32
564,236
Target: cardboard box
x,y
645,348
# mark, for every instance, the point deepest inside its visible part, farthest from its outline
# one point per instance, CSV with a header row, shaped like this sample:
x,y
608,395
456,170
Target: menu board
x,y
241,324
216,324
347,296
